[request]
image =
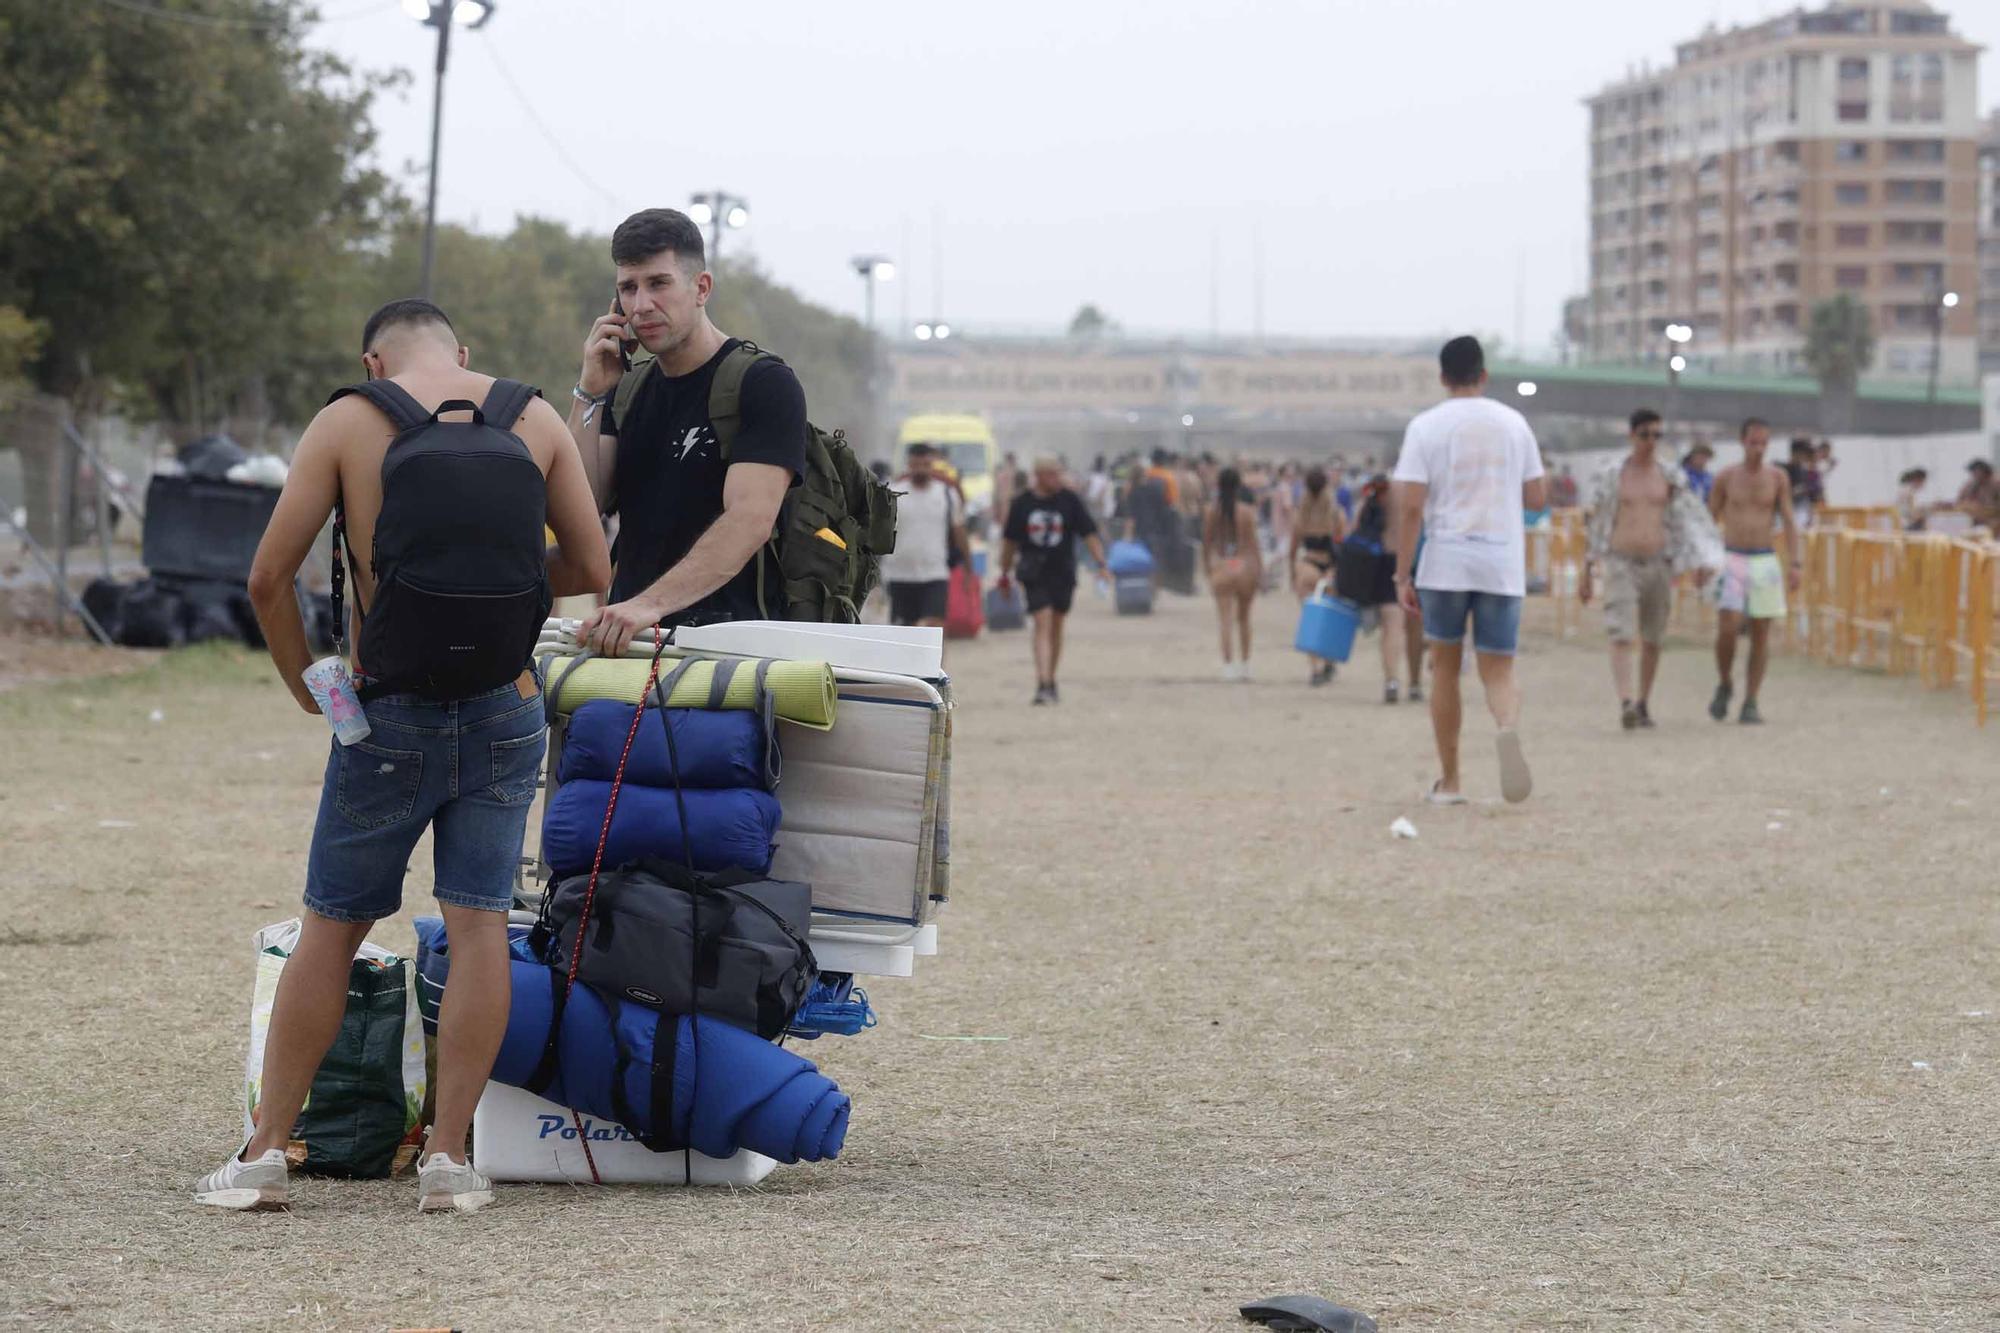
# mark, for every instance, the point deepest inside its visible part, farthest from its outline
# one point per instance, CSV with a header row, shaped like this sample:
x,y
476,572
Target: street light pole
x,y
442,15
716,209
1678,336
440,19
1945,301
871,267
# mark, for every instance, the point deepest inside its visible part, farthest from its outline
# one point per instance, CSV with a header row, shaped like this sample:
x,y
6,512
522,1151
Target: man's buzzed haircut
x,y
1645,416
1462,361
1750,424
410,310
658,231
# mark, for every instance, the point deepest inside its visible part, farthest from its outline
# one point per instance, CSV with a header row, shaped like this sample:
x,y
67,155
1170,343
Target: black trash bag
x,y
152,617
208,612
105,600
211,457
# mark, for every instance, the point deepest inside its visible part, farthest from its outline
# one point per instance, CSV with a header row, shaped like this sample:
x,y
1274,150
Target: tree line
x,y
193,227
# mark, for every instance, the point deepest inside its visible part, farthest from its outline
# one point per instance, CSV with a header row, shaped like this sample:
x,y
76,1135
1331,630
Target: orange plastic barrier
x,y
1870,596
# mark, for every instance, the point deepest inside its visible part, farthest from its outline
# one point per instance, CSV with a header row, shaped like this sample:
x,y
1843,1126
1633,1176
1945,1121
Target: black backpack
x,y
461,574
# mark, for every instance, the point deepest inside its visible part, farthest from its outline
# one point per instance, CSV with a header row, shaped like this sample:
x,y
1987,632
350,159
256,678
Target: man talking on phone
x,y
690,522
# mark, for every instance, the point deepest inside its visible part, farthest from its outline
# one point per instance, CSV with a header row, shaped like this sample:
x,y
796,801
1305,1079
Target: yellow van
x,y
966,443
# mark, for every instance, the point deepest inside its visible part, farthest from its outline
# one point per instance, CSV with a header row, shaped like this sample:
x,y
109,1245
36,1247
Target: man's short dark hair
x,y
921,450
1462,361
1979,465
1161,458
1645,416
411,310
1743,431
659,231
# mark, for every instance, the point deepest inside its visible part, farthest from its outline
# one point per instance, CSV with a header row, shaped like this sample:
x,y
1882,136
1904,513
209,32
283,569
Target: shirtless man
x,y
463,766
1749,500
1644,526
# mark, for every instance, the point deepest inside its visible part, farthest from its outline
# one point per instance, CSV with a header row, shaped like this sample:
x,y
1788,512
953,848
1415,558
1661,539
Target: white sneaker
x,y
261,1185
1243,672
1229,671
447,1186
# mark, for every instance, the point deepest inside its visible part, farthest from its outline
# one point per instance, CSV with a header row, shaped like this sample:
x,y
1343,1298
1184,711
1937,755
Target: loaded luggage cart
x,y
857,720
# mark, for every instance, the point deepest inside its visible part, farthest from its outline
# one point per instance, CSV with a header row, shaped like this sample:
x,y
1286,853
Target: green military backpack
x,y
823,580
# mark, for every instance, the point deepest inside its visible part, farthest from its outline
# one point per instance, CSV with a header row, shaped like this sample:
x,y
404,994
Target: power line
x,y
520,95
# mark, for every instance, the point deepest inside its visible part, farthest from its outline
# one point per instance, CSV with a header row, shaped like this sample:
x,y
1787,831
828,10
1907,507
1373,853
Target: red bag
x,y
963,616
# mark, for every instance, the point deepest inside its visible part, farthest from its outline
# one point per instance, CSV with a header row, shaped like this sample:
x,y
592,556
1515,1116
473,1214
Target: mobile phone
x,y
626,346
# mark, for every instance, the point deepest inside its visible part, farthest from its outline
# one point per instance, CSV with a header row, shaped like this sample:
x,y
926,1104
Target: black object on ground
x,y
198,528
1301,1314
168,612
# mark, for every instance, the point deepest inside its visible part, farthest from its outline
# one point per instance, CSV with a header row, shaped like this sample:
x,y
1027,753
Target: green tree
x,y
1089,322
180,203
1840,344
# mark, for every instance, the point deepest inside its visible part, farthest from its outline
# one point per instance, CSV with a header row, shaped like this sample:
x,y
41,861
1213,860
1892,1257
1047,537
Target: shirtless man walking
x,y
1645,525
1749,501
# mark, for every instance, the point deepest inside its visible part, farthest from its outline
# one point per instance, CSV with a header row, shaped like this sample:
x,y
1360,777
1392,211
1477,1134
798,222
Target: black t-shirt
x,y
667,479
1045,530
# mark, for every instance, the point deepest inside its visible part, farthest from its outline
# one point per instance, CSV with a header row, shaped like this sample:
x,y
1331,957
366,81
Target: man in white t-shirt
x,y
930,525
1469,467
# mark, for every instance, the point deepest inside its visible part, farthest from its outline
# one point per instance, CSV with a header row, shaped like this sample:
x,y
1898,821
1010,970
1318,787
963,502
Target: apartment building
x,y
1989,247
1778,164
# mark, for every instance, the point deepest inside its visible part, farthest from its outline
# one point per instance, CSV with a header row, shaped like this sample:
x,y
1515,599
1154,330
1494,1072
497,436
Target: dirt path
x,y
1626,1056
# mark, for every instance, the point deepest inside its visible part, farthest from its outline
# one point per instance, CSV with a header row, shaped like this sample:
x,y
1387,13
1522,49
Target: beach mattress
x,y
731,828
717,749
866,815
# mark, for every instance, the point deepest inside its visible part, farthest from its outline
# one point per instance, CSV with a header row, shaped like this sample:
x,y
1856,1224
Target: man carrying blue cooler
x,y
1468,469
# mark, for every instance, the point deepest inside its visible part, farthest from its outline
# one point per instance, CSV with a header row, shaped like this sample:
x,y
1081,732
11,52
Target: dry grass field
x,y
1706,1035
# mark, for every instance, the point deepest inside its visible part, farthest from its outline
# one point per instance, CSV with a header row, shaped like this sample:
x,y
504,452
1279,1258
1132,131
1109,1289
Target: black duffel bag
x,y
745,959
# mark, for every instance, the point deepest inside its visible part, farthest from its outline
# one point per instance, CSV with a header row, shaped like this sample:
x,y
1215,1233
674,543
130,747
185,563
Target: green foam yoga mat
x,y
803,692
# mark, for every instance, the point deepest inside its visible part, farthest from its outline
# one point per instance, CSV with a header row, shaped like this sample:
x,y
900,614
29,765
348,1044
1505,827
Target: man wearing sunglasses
x,y
1645,527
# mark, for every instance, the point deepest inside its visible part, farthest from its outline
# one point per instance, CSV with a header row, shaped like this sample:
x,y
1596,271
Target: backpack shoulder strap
x,y
725,394
506,401
391,399
628,389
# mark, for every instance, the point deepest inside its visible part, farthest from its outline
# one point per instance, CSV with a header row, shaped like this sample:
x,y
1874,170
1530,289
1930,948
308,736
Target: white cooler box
x,y
519,1136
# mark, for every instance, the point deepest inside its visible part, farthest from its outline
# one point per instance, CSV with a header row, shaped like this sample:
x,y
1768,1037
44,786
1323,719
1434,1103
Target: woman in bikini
x,y
1316,530
1230,558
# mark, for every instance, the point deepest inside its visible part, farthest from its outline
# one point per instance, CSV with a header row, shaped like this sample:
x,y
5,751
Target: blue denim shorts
x,y
465,769
1496,619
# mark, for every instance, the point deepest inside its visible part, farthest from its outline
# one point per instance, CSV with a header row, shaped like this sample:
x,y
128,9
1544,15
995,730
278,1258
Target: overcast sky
x,y
1403,168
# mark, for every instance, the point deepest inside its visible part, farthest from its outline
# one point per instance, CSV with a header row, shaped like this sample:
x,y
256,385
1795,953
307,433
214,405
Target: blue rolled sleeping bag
x,y
718,748
731,1088
733,828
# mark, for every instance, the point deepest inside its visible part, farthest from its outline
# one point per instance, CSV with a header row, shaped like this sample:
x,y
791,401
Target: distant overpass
x,y
1084,397
1881,408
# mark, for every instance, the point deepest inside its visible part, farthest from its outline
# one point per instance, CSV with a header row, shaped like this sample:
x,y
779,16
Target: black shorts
x,y
1049,595
911,602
